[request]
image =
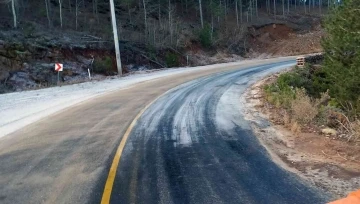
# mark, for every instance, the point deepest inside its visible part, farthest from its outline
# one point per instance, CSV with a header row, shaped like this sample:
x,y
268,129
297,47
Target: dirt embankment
x,y
282,40
326,162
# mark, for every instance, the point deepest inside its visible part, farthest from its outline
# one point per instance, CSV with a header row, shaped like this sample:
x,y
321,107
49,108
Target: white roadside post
x,y
59,68
89,73
116,40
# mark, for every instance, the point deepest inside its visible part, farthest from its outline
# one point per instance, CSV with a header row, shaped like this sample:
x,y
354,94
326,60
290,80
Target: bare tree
x,y
145,18
76,14
13,10
201,14
170,26
61,20
237,13
288,6
275,8
256,8
47,12
283,7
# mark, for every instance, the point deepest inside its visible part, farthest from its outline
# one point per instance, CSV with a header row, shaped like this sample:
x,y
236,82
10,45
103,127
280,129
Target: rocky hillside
x,y
153,34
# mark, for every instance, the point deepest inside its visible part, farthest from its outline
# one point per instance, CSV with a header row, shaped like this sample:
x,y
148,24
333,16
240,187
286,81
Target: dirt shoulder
x,y
326,162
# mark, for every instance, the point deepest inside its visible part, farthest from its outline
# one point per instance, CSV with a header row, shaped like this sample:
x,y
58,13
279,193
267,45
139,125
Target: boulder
x,y
329,131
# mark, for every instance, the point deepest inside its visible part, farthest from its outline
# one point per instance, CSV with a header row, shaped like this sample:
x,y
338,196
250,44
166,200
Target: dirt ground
x,y
326,162
280,40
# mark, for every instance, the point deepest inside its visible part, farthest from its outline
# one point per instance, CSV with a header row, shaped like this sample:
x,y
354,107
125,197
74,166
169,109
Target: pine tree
x,y
342,54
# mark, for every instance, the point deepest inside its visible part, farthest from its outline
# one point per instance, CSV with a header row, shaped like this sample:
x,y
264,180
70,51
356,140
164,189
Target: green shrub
x,y
205,36
172,60
103,65
280,94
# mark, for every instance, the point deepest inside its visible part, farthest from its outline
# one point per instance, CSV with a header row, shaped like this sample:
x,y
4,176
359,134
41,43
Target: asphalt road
x,y
191,146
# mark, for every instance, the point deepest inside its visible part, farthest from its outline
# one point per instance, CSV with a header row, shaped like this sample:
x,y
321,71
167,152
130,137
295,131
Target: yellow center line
x,y
115,163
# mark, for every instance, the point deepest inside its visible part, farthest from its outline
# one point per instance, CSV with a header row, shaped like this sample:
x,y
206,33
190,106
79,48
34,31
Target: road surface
x,y
192,145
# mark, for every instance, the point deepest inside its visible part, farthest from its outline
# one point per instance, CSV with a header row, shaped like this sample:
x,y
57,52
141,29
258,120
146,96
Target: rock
x,y
4,74
21,81
329,131
42,72
85,61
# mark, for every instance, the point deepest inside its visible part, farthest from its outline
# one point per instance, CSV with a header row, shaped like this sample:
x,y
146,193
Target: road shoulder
x,y
324,162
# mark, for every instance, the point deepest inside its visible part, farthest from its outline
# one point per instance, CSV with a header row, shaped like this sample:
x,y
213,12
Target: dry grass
x,y
356,130
287,119
295,127
349,130
303,108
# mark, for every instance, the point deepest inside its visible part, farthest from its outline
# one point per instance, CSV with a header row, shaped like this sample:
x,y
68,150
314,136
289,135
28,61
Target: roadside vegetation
x,y
326,94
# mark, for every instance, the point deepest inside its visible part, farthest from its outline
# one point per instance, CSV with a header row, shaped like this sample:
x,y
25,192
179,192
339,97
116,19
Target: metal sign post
x,y
58,68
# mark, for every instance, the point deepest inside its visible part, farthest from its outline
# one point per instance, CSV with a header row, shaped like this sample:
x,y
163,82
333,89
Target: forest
x,y
158,22
151,33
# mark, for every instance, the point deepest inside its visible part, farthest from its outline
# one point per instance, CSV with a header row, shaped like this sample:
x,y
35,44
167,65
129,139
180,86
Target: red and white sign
x,y
59,67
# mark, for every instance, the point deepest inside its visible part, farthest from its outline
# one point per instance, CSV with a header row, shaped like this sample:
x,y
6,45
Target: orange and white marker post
x,y
59,68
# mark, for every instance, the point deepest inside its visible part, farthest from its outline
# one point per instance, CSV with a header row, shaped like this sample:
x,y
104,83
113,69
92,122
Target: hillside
x,y
152,34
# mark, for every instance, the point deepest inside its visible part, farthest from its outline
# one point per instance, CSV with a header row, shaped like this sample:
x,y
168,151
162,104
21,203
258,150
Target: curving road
x,y
194,146
191,146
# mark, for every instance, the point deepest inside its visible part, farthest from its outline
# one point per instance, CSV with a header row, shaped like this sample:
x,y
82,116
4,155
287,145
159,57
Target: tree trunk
x,y
288,6
275,9
49,4
145,18
212,28
14,13
159,12
61,20
256,8
201,14
76,14
47,12
251,10
129,13
96,11
237,13
218,13
225,11
70,9
283,7
241,11
170,26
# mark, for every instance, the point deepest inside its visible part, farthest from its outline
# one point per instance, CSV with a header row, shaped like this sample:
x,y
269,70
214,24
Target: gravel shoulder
x,y
327,163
